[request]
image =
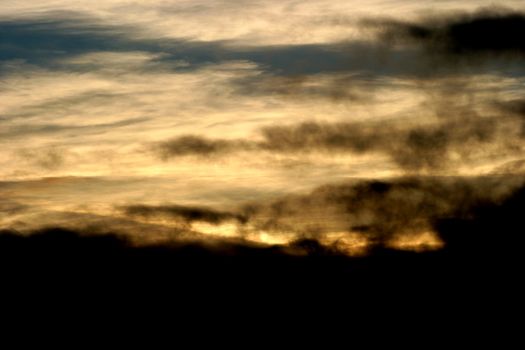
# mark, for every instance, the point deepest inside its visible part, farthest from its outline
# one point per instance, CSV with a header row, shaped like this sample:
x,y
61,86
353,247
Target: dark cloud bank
x,y
491,31
483,233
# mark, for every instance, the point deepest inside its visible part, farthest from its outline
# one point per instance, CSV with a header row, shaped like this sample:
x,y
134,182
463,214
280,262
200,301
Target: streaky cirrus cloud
x,y
57,38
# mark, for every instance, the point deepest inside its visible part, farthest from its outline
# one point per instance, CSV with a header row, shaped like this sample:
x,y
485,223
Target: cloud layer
x,y
413,148
315,129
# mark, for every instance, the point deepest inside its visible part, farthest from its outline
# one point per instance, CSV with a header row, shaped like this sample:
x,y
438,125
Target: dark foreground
x,y
480,265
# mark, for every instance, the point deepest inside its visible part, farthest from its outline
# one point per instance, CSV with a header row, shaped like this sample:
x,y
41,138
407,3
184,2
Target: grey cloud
x,y
196,145
187,214
381,210
434,147
413,148
485,32
47,41
304,137
516,106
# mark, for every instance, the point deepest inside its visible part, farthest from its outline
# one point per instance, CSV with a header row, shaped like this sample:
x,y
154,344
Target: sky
x,y
351,123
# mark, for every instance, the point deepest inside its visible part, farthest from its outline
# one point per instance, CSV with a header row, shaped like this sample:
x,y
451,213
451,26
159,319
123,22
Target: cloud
x,y
196,145
44,129
10,207
381,210
468,216
489,31
305,137
50,158
517,108
56,41
350,217
187,214
60,43
511,167
413,148
61,106
339,87
108,62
